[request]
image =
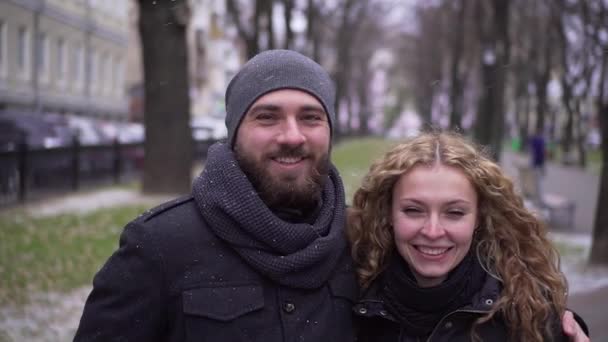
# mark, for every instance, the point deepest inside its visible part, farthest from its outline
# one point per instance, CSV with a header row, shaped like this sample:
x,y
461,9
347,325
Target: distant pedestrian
x,y
538,151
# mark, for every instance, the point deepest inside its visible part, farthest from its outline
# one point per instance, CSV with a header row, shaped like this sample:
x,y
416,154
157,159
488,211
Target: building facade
x,y
64,56
213,57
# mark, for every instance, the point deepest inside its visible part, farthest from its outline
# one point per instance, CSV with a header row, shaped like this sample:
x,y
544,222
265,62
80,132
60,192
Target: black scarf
x,y
420,309
299,255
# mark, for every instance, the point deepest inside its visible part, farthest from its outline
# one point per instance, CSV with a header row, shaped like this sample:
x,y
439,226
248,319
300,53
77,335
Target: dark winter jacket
x,y
376,324
172,279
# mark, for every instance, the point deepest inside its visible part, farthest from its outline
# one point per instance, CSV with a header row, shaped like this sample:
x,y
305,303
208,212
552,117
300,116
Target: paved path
x,y
582,187
568,181
593,307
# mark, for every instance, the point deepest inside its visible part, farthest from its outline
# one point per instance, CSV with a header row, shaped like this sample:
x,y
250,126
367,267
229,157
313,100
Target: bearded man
x,y
256,252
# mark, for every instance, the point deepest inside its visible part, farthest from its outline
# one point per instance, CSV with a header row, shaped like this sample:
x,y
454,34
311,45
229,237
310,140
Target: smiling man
x,y
283,146
257,252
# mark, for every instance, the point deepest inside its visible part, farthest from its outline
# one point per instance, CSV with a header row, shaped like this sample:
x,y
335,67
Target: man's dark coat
x,y
172,279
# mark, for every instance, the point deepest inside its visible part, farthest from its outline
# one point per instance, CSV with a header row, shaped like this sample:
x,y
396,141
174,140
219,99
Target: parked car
x,y
207,128
38,130
88,130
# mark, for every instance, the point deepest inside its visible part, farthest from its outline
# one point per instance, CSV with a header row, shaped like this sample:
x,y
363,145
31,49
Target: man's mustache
x,y
289,152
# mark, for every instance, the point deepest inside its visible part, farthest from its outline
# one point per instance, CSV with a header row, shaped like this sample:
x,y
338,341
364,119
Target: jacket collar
x,y
371,304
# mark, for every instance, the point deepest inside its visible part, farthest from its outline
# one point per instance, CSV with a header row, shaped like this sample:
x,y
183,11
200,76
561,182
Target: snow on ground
x,y
55,316
581,277
50,317
86,202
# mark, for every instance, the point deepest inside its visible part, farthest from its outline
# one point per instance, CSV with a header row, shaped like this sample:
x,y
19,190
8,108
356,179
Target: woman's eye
x,y
455,213
412,211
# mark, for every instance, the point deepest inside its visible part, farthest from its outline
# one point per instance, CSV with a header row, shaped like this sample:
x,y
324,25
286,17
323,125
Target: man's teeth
x,y
432,251
288,160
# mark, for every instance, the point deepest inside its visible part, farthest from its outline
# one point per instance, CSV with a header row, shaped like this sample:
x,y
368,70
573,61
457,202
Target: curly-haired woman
x,y
446,250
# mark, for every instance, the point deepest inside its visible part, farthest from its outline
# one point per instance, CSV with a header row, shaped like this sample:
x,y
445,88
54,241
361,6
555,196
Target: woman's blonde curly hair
x,y
511,242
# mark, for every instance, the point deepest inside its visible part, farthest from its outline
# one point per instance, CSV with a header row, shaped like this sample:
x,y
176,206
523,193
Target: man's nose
x,y
291,133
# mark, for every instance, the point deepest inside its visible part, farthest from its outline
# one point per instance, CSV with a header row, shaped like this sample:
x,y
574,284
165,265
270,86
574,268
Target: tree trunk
x,y
501,9
485,113
541,101
580,138
567,131
344,41
599,248
287,9
248,35
268,9
456,88
526,124
313,35
495,52
350,107
363,90
168,144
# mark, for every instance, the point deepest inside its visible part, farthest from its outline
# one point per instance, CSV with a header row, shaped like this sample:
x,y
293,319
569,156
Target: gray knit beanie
x,y
272,70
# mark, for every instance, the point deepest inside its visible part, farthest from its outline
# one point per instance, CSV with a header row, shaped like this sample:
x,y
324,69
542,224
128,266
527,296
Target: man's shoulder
x,y
174,223
180,212
176,204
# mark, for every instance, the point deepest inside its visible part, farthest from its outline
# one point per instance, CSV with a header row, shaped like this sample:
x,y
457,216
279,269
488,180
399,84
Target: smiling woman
x,y
434,215
446,251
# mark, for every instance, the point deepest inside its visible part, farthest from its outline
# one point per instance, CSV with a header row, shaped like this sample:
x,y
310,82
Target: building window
x,y
118,76
42,55
77,64
109,82
93,67
2,48
103,76
80,63
23,51
61,62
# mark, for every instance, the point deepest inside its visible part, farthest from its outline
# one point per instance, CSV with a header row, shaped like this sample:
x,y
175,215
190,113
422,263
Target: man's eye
x,y
312,117
264,116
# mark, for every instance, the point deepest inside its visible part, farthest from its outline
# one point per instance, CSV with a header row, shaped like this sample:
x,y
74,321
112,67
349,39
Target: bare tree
x,y
428,62
168,144
247,28
288,6
598,30
350,13
313,32
521,70
576,71
494,38
456,77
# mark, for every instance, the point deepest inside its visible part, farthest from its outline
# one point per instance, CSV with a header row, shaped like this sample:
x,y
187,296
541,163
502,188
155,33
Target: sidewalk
x,y
582,187
593,307
569,181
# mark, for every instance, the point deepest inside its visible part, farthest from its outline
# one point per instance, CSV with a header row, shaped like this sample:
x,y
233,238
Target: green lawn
x,y
56,253
354,157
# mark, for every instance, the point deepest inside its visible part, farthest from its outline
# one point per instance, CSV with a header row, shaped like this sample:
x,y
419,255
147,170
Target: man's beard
x,y
278,192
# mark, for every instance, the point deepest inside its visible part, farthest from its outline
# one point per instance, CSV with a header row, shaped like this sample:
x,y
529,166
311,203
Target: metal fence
x,y
33,173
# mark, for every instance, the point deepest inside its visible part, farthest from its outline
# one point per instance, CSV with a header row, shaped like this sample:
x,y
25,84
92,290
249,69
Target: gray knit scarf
x,y
297,255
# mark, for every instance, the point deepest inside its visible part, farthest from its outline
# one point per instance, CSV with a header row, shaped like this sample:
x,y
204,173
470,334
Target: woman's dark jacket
x,y
376,323
172,279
